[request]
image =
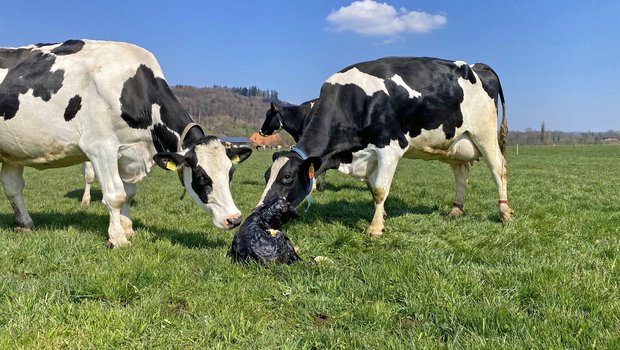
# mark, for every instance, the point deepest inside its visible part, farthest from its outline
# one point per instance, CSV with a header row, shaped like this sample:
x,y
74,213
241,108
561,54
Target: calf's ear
x,y
238,155
169,160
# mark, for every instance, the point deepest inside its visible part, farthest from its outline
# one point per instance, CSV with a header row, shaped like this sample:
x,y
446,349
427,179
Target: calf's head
x,y
206,171
288,177
273,121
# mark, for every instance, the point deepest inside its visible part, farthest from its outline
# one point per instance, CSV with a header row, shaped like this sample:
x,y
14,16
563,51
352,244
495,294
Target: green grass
x,y
549,280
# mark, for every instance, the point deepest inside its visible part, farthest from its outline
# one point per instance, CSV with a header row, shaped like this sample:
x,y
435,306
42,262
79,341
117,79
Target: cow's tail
x,y
503,129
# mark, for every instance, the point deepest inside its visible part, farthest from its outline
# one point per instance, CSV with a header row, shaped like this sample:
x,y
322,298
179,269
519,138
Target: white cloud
x,y
368,17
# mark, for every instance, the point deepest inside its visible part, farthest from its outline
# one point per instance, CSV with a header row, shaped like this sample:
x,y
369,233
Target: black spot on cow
x,y
467,73
44,44
69,47
202,184
163,136
75,104
28,69
139,94
489,79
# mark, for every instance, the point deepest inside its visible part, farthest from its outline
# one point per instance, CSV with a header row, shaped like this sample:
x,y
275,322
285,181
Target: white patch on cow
x,y
369,83
460,63
477,105
365,161
400,82
213,159
275,170
3,73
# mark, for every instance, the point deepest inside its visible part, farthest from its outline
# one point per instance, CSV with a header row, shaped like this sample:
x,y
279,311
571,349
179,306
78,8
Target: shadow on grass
x,y
350,212
89,222
95,195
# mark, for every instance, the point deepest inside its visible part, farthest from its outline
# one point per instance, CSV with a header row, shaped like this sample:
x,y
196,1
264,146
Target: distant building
x,y
265,141
229,142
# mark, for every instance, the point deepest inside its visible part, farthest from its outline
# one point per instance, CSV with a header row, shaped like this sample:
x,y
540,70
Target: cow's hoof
x,y
117,243
129,233
506,220
456,212
24,225
84,204
375,232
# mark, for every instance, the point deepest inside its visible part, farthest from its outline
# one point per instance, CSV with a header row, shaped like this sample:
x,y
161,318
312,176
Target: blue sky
x,y
558,60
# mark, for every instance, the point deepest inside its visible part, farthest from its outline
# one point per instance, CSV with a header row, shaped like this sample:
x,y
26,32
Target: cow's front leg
x,y
13,182
379,183
461,174
130,191
114,196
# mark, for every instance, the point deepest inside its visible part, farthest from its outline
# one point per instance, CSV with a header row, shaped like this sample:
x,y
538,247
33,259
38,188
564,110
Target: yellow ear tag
x,y
272,232
171,166
235,159
311,171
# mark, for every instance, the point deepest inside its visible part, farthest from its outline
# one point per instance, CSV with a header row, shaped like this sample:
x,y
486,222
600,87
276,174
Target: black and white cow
x,y
292,119
371,114
61,104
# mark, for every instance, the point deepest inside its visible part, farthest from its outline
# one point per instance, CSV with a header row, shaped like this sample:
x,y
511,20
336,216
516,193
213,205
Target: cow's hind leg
x,y
379,183
461,174
496,162
89,178
13,182
114,196
130,191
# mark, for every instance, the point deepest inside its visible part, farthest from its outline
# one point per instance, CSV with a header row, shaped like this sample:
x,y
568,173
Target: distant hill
x,y
225,111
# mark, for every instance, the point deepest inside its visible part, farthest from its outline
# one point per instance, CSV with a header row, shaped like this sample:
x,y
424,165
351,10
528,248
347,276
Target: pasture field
x,y
549,280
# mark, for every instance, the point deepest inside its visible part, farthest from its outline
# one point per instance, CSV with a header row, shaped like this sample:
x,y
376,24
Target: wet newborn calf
x,y
259,236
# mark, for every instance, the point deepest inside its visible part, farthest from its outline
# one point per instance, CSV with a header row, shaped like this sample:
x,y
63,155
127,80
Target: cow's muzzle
x,y
232,221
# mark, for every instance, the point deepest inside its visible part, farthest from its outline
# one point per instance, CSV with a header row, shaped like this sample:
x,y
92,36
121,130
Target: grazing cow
x,y
61,104
292,119
372,114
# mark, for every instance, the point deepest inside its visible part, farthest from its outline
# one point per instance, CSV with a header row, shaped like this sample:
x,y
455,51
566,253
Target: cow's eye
x,y
287,179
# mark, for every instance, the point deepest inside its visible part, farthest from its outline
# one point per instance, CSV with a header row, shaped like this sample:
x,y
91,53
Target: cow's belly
x,y
363,164
432,145
39,150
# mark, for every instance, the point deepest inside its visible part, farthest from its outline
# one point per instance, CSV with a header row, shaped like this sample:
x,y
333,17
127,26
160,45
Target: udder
x,y
464,149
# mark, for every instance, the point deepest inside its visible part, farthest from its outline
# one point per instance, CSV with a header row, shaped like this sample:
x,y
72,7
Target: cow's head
x,y
273,121
207,169
288,177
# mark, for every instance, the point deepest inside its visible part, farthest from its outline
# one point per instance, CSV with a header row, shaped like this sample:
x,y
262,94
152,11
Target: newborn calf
x,y
259,236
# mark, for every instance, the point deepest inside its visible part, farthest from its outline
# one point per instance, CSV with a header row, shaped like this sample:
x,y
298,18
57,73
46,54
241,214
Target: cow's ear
x,y
274,107
310,166
276,155
238,155
169,160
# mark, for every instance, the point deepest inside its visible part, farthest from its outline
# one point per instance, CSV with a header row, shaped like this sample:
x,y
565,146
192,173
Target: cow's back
x,y
56,97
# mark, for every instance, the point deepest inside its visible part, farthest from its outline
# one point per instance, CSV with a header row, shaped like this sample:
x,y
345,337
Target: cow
x,y
62,104
371,114
292,119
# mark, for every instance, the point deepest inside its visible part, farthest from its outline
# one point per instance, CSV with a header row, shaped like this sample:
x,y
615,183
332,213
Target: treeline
x,y
227,111
544,137
253,91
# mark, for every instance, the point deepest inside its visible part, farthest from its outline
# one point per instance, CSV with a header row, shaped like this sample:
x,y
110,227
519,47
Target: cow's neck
x,y
293,121
193,135
327,141
167,136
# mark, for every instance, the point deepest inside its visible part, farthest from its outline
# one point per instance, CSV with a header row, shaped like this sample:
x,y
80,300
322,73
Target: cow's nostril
x,y
233,222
